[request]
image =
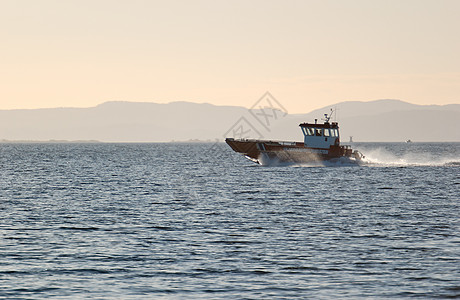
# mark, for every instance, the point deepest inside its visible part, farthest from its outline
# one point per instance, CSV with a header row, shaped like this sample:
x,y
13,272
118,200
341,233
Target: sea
x,y
199,221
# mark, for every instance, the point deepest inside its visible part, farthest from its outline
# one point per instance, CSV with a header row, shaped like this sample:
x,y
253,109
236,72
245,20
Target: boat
x,y
321,143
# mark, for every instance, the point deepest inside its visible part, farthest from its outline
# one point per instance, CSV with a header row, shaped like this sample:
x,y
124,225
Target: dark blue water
x,y
152,221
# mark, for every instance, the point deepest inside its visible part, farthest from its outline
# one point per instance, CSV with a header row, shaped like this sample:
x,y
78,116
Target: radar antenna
x,y
327,117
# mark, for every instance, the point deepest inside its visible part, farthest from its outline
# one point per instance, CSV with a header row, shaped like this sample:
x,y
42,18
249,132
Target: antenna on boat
x,y
327,117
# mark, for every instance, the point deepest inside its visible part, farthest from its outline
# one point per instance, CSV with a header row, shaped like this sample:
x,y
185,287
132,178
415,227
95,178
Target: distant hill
x,y
380,120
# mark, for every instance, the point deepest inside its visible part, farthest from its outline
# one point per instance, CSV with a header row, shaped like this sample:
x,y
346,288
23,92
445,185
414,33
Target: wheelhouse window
x,y
336,132
319,132
308,131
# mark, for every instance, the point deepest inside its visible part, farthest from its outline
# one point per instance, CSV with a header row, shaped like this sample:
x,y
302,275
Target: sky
x,y
307,54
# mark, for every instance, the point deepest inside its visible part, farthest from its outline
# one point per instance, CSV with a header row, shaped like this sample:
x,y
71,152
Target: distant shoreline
x,y
50,142
192,141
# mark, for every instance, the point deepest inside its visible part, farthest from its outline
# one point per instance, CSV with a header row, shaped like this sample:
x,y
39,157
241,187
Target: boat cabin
x,y
321,135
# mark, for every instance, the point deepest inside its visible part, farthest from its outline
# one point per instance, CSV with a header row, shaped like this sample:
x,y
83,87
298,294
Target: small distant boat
x,y
408,141
321,143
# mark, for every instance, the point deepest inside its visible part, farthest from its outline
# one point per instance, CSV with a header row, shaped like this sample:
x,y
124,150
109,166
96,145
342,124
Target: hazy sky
x,y
306,53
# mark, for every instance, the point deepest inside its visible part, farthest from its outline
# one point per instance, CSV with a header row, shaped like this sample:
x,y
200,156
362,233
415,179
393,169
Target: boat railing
x,y
287,143
283,143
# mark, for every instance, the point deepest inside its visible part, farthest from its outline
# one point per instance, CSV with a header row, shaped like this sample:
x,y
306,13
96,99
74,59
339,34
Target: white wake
x,y
383,157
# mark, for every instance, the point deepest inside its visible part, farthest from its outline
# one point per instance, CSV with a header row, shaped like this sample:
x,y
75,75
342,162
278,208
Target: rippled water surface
x,y
131,221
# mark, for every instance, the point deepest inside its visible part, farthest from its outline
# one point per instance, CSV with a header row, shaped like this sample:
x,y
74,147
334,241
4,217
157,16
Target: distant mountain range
x,y
380,120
